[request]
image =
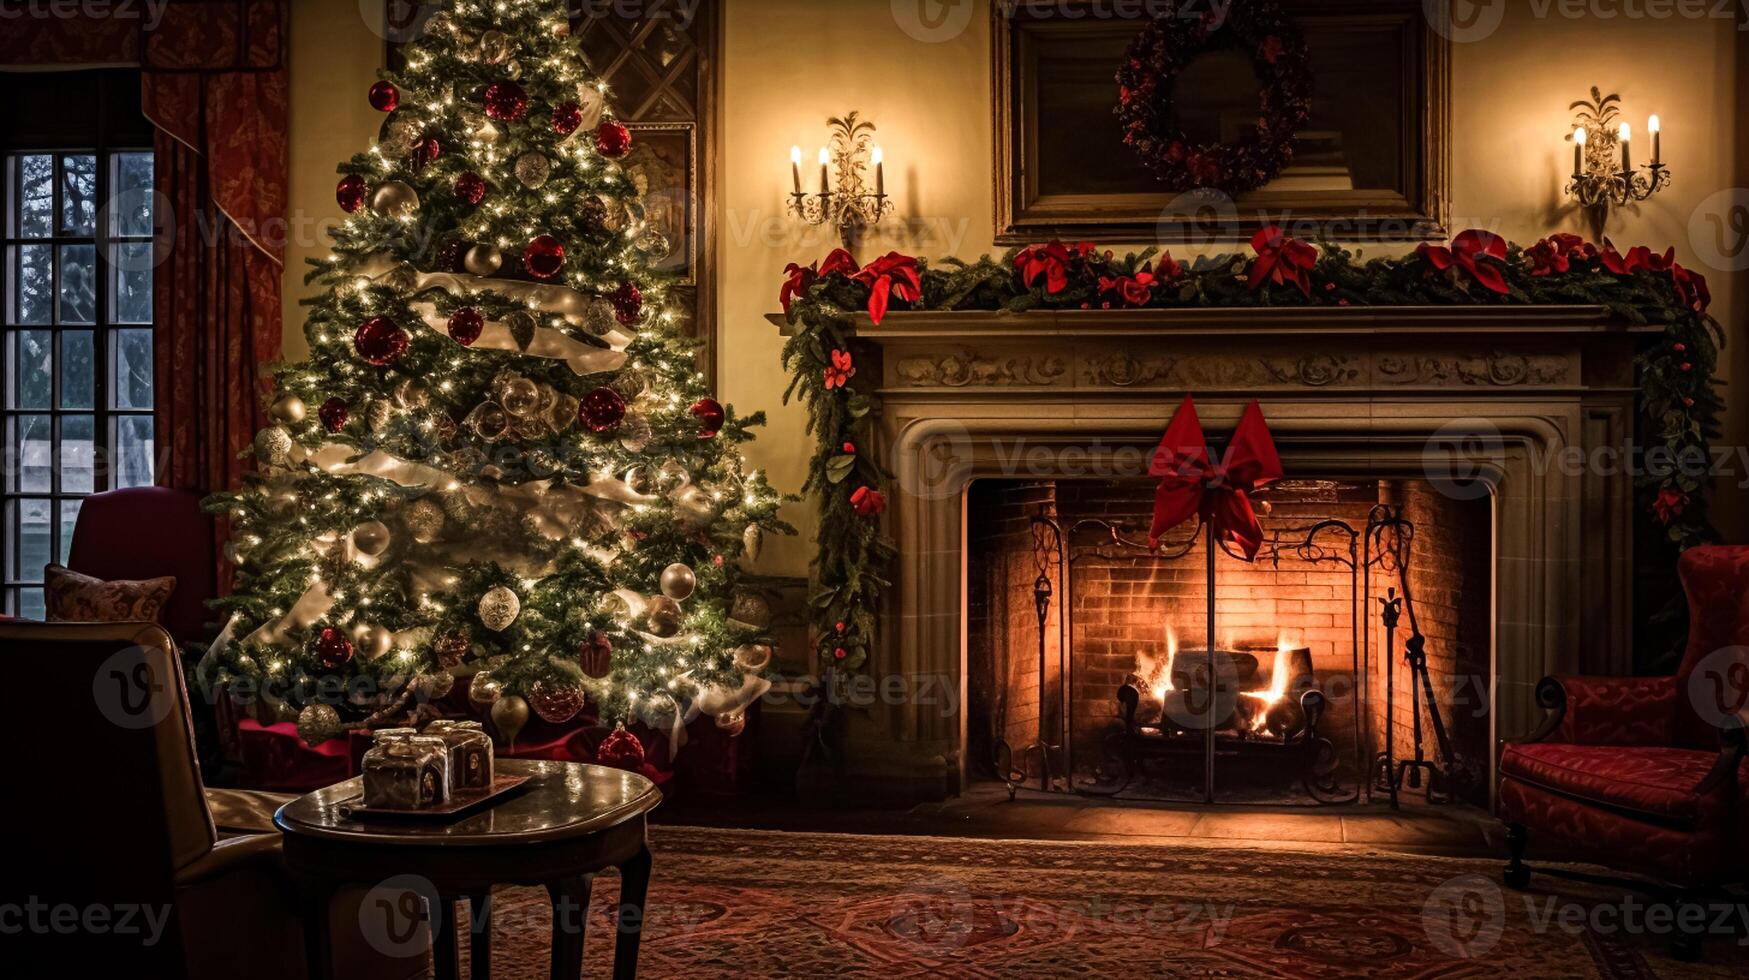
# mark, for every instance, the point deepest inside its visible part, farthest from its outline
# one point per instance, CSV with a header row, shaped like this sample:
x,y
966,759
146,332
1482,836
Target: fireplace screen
x,y
1344,664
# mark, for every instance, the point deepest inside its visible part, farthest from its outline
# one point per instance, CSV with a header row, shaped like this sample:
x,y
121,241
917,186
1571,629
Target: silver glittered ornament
x,y
398,136
752,540
394,198
653,243
599,317
318,723
635,432
289,408
424,520
664,615
498,608
483,259
749,610
630,383
273,446
371,537
532,169
678,581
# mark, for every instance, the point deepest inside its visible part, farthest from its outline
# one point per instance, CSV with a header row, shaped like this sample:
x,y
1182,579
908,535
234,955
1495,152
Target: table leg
x,y
445,954
480,935
634,882
318,944
570,925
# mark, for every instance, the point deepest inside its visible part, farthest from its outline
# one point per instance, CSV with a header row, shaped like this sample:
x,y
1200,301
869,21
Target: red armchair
x,y
1631,771
146,532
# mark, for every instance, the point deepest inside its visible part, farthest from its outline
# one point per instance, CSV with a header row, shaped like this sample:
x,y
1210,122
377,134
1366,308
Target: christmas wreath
x,y
1172,41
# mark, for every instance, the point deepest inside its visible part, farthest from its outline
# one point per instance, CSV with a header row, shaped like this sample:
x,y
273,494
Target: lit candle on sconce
x,y
1627,135
1579,138
795,167
825,180
1599,182
880,166
1654,127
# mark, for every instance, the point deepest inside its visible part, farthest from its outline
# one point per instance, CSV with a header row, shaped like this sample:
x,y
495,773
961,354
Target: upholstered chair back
x,y
1716,581
148,532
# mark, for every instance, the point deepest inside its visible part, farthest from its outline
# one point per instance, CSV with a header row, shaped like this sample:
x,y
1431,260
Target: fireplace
x,y
1459,420
1290,707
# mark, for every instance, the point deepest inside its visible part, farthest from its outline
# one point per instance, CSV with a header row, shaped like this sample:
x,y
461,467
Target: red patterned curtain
x,y
213,82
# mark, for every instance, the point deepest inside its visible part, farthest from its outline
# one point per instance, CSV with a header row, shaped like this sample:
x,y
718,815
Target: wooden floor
x,y
1454,830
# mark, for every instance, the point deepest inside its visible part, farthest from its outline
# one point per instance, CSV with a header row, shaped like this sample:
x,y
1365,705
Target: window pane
x,y
133,283
132,384
30,453
69,515
34,531
30,603
133,451
36,204
79,195
131,205
78,458
78,272
35,283
78,369
32,355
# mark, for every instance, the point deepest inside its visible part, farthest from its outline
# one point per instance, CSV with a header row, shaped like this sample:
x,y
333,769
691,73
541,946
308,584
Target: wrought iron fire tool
x,y
1384,764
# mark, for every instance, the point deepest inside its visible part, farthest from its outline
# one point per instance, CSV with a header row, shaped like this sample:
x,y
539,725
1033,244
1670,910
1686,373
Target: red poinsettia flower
x,y
1281,260
840,371
838,261
1127,291
1557,253
1669,504
1271,48
890,275
797,279
1050,261
868,501
1691,289
1639,258
1466,252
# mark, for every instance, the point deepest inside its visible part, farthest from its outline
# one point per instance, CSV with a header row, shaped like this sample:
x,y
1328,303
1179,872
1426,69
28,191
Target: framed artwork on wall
x,y
1368,164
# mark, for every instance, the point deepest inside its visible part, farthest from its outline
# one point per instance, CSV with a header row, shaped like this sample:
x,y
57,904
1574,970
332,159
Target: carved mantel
x,y
1503,397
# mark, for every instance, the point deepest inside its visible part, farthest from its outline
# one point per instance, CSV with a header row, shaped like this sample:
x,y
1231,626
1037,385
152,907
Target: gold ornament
x,y
371,537
411,394
394,198
562,413
519,396
424,520
694,505
750,611
499,608
483,259
752,657
398,136
484,689
273,446
533,169
371,642
513,70
479,126
732,722
664,615
509,714
752,540
494,47
288,408
318,723
678,581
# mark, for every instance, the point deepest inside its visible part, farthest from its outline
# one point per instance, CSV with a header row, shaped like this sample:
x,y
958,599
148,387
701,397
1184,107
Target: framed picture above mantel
x,y
1368,162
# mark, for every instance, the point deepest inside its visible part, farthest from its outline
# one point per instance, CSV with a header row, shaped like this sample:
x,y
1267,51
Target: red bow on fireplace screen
x,y
1191,483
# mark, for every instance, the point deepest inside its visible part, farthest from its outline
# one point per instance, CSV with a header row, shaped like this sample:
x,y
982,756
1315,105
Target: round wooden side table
x,y
559,829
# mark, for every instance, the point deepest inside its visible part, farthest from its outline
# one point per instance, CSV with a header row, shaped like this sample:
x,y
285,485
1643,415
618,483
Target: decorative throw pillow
x,y
74,598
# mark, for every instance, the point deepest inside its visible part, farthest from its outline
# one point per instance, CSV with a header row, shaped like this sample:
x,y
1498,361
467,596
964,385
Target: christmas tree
x,y
499,465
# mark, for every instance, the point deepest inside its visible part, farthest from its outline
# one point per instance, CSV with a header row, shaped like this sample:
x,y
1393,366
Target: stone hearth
x,y
1489,403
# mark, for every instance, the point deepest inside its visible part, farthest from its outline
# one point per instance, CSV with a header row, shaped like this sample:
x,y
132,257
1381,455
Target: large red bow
x,y
1191,483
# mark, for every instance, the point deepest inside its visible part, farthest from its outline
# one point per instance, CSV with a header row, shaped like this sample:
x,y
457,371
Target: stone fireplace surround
x,y
1486,400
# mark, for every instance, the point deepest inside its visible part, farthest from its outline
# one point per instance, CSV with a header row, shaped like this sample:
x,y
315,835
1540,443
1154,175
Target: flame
x,y
1158,672
1285,645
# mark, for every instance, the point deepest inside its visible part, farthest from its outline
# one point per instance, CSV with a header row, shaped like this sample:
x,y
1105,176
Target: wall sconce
x,y
1603,168
844,200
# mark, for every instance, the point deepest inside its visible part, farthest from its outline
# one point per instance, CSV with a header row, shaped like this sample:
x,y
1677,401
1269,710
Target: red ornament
x,y
351,192
567,116
554,703
333,649
426,150
506,101
380,341
544,257
595,655
601,409
384,97
612,140
709,413
470,187
620,749
628,304
465,325
333,414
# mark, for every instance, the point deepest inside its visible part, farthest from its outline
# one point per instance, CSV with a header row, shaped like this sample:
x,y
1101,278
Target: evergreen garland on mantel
x,y
1678,397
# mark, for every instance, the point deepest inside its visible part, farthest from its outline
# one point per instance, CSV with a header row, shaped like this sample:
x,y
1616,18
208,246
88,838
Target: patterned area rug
x,y
727,903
